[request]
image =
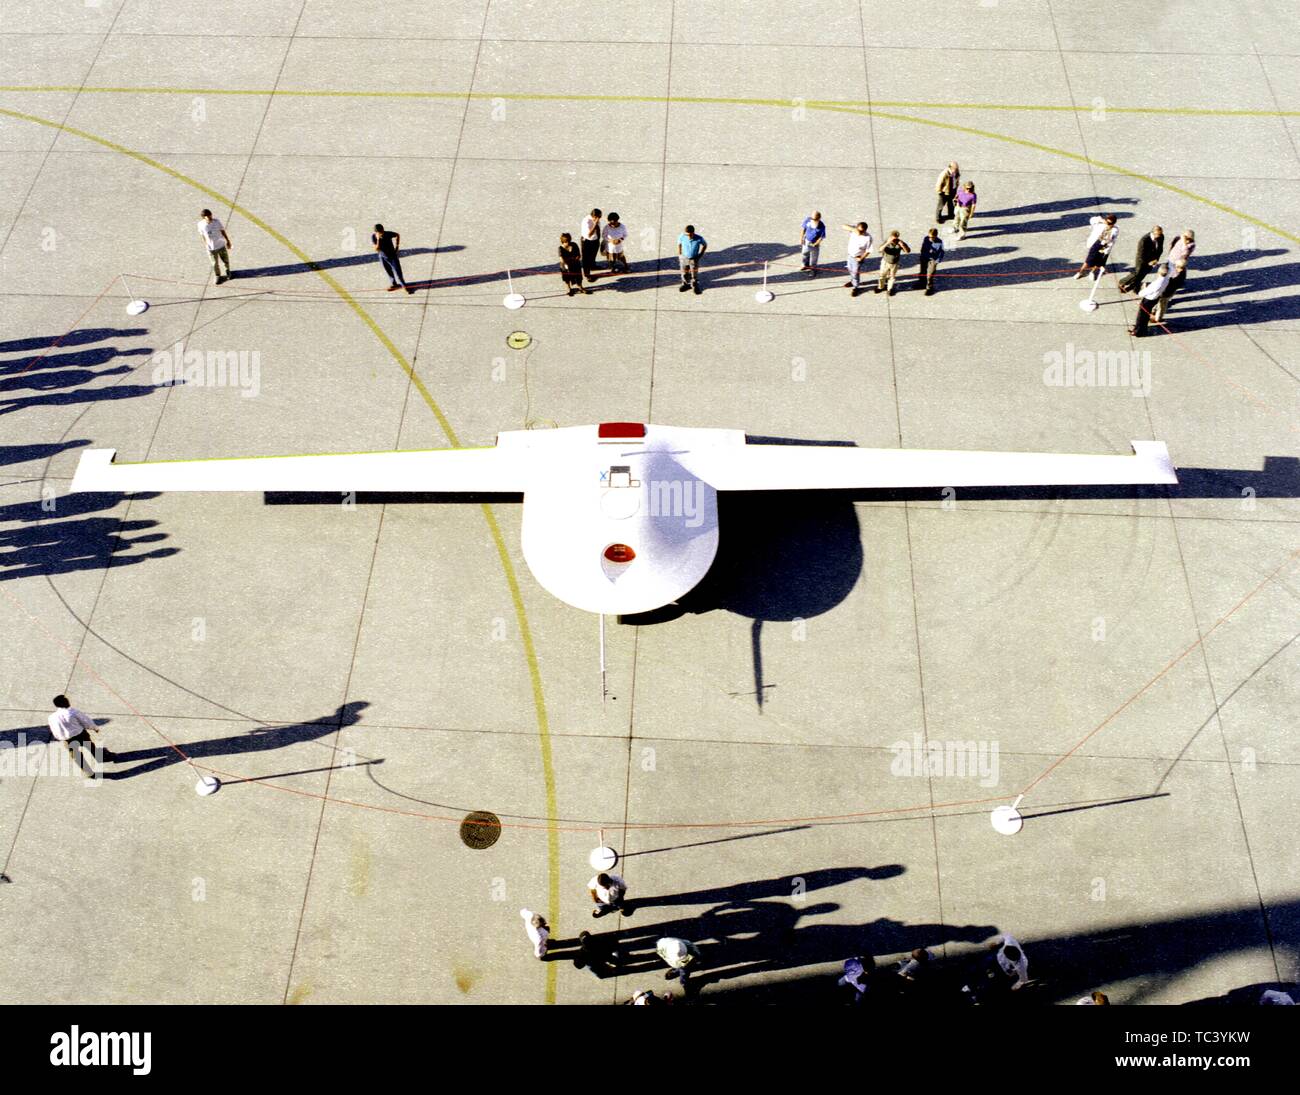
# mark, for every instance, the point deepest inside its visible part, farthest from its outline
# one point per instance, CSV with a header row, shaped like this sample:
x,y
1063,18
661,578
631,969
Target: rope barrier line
x,y
71,330
553,825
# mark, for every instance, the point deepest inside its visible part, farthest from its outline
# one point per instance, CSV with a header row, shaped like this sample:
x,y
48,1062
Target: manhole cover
x,y
480,830
518,340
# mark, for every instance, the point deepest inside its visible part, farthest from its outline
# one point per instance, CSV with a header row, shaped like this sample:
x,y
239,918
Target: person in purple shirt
x,y
811,234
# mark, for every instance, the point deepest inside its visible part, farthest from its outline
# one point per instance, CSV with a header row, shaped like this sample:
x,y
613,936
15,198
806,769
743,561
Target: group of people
x,y
600,954
1154,282
1003,971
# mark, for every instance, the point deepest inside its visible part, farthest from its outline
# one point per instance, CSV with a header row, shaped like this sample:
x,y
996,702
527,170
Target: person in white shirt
x,y
1011,960
612,244
73,728
218,243
680,955
1100,240
859,248
607,891
589,241
1149,298
539,931
1099,998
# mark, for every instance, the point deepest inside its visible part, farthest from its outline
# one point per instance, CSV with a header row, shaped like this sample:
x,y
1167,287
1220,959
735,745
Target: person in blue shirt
x,y
689,249
811,234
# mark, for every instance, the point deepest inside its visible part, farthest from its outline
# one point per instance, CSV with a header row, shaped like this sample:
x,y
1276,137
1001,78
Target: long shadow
x,y
744,937
1060,205
1204,301
64,378
71,539
71,338
32,367
1066,222
784,886
260,740
1149,953
334,264
21,454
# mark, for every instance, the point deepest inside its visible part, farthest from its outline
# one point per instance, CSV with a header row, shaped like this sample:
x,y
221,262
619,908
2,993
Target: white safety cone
x,y
512,300
135,306
764,295
1007,820
207,785
603,858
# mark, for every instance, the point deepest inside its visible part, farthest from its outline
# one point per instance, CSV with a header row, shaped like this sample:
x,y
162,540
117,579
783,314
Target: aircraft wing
x,y
812,467
485,471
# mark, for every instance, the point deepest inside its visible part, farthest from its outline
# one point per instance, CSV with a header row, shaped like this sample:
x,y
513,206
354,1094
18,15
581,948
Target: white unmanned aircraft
x,y
622,518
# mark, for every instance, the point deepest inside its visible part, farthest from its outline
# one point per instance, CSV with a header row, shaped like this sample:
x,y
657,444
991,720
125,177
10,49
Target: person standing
x,y
891,252
589,238
389,247
1148,251
571,265
680,955
607,891
931,256
811,234
539,931
859,248
218,244
965,209
1182,249
612,244
946,188
73,728
1100,240
1148,297
690,249
1176,281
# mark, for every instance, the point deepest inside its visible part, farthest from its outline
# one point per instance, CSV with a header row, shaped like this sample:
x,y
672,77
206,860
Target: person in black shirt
x,y
571,265
931,256
891,251
389,245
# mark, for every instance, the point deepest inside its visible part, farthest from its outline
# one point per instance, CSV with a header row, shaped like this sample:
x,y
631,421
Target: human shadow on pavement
x,y
262,739
313,265
72,537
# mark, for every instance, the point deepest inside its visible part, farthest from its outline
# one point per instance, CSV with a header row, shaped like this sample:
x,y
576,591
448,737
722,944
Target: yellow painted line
x,y
530,653
526,96
1100,164
847,106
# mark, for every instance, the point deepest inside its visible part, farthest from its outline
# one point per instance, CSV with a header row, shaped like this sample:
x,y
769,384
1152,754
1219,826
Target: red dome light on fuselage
x,y
619,553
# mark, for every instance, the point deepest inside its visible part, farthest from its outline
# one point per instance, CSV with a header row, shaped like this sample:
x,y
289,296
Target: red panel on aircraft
x,y
620,429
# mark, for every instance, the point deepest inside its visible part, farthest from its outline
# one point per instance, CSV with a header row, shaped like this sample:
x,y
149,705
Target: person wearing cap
x,y
1148,298
966,199
607,891
690,249
217,242
680,955
538,931
612,244
891,253
589,240
859,248
73,729
1101,239
811,234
